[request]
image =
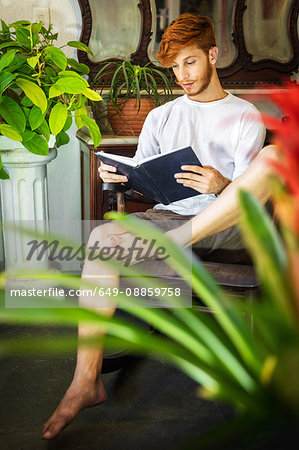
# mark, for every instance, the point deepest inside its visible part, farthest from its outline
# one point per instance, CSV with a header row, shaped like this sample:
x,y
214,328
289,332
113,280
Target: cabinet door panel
x,y
266,30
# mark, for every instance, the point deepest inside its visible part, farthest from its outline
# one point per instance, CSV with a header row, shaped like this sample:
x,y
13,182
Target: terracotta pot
x,y
129,121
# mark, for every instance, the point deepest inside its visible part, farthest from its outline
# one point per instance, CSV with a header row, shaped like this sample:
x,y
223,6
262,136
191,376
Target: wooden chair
x,y
232,269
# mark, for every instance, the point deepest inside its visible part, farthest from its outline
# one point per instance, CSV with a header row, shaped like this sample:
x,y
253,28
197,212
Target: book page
x,y
120,158
149,158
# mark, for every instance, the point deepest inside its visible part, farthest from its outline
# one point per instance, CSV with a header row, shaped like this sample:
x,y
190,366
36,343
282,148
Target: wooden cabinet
x,y
95,201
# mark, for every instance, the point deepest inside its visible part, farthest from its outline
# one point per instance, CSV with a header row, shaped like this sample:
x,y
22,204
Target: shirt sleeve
x,y
148,144
251,139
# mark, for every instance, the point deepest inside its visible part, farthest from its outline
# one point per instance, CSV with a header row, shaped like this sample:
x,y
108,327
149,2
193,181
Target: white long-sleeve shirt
x,y
225,134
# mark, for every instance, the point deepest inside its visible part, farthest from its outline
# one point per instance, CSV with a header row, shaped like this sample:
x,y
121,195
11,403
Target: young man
x,y
226,134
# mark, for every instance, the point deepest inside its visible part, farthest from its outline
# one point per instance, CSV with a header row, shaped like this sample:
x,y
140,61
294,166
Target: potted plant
x,y
133,92
40,89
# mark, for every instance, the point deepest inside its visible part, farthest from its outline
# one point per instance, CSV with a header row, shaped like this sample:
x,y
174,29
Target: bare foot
x,y
80,395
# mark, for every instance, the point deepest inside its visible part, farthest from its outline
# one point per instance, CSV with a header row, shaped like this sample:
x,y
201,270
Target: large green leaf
x,y
10,132
93,129
12,113
19,23
34,92
267,251
58,117
57,56
71,73
44,129
35,143
10,44
68,123
62,138
5,79
7,58
55,91
36,27
71,85
80,46
23,36
80,67
35,117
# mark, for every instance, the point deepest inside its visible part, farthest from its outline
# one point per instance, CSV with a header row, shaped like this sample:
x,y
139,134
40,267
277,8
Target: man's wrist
x,y
225,184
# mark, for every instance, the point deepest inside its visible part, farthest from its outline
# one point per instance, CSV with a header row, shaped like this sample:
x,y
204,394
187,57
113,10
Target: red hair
x,y
187,29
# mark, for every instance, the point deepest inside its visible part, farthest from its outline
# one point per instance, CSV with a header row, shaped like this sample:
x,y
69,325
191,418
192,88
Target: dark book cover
x,y
154,178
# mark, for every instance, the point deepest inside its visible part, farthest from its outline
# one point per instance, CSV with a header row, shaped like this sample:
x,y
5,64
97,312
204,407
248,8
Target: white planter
x,y
24,197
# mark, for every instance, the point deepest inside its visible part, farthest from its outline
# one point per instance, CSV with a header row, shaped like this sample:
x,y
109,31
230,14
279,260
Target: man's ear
x,y
213,55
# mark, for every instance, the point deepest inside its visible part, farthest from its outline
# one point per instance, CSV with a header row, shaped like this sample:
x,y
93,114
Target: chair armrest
x,y
129,193
115,187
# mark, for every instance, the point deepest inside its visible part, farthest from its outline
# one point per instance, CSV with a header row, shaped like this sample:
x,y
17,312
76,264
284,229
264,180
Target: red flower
x,y
286,137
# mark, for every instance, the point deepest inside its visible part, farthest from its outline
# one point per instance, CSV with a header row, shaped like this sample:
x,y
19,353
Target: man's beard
x,y
205,81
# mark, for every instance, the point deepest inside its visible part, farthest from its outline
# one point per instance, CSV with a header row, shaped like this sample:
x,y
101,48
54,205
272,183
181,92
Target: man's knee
x,y
268,154
101,232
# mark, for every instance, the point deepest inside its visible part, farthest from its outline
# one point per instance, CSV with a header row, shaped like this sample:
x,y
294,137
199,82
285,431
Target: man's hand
x,y
108,175
206,179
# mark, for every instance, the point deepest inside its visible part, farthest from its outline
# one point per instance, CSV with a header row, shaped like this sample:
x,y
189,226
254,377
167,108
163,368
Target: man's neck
x,y
212,93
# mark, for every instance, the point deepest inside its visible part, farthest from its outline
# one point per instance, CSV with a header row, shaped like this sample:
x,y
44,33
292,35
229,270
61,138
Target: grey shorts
x,y
226,246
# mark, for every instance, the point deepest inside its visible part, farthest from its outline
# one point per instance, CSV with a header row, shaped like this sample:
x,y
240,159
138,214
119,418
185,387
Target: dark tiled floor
x,y
151,405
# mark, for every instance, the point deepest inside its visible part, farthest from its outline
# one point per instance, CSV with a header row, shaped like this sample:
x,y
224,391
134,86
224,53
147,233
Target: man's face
x,y
193,70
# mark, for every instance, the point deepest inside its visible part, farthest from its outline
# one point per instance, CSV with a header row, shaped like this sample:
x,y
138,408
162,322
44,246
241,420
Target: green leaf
x,y
10,44
35,117
33,61
36,27
51,73
34,92
268,253
5,28
78,113
5,79
3,174
72,73
18,63
26,111
71,85
68,123
23,36
26,101
55,91
80,46
61,139
92,95
19,23
35,143
10,132
58,117
93,129
44,129
12,113
80,67
57,56
7,58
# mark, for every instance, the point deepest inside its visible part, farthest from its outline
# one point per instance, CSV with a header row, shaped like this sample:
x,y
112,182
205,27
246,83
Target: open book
x,y
153,176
